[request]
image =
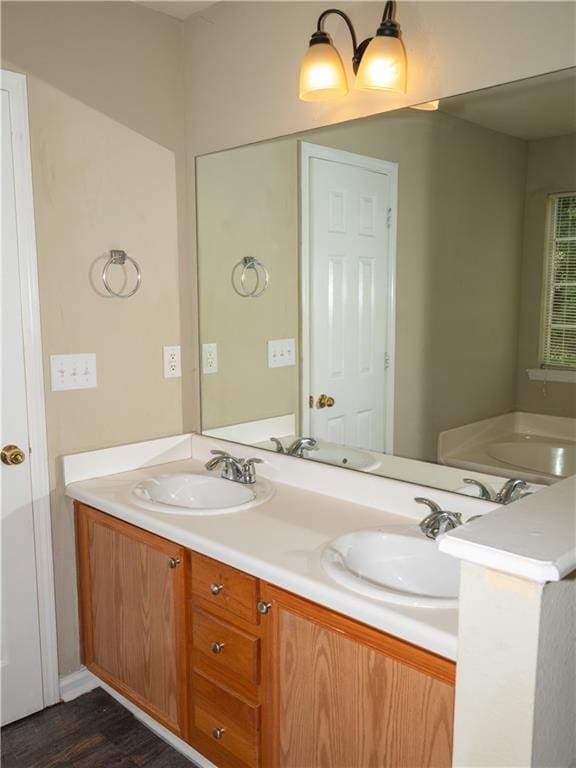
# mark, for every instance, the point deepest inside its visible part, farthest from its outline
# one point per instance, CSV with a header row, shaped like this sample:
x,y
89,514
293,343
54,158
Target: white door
x,y
20,652
350,212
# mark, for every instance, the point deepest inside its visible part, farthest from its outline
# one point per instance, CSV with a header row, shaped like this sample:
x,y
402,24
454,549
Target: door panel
x,y
20,643
349,272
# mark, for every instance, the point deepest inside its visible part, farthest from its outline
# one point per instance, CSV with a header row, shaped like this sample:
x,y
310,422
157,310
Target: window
x,y
559,316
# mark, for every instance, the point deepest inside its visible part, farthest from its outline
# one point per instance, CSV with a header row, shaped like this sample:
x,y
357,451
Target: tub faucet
x,y
510,489
300,445
240,470
438,520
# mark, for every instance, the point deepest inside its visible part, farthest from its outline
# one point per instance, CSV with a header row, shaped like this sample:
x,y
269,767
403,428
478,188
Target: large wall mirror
x,y
397,294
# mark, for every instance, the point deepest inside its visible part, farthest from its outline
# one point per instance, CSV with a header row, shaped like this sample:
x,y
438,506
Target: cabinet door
x,y
342,695
132,611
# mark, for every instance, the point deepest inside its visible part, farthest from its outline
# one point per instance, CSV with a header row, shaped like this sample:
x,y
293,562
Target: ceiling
x,y
181,9
537,108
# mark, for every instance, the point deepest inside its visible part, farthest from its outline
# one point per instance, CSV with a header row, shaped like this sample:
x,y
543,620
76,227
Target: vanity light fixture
x,y
379,62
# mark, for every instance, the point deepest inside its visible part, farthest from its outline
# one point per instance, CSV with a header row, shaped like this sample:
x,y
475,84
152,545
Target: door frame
x,y
307,152
15,85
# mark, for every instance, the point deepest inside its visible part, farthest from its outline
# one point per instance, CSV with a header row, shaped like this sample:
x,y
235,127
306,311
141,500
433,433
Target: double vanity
x,y
267,623
307,618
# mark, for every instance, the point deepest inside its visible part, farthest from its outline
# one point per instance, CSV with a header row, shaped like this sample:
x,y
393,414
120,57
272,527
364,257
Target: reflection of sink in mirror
x,y
393,314
533,447
398,566
196,494
344,456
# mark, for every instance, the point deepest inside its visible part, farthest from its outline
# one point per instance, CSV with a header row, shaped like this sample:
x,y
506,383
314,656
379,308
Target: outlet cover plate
x,y
172,362
209,358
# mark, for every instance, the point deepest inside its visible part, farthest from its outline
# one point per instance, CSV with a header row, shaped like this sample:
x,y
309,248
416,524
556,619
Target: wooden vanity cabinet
x,y
250,675
342,695
133,615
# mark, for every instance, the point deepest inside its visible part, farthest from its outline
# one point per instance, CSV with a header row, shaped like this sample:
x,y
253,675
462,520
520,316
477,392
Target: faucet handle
x,y
249,470
429,503
278,445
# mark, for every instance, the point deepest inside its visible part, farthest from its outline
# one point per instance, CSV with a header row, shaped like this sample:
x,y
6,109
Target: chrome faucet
x,y
438,520
296,448
485,492
300,445
239,470
510,491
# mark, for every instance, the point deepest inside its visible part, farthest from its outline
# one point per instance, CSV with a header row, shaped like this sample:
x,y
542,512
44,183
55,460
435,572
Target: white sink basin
x,y
343,456
196,494
397,566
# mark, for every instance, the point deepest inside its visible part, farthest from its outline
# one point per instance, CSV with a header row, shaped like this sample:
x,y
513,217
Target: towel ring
x,y
262,278
120,258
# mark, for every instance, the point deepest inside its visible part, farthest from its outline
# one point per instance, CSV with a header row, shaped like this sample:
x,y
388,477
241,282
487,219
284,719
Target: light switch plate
x,y
209,358
172,364
281,353
73,371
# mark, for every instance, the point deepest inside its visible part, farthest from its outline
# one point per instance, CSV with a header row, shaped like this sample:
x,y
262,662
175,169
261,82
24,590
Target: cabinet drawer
x,y
231,724
225,587
220,646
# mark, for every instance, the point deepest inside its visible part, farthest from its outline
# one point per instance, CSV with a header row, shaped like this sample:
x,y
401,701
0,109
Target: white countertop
x,y
534,538
280,541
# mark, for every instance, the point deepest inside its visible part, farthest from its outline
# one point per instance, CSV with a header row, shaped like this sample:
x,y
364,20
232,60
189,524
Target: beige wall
x,y
248,206
460,208
550,169
107,140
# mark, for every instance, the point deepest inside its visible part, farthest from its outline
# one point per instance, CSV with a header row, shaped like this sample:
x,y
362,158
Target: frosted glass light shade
x,y
383,66
322,74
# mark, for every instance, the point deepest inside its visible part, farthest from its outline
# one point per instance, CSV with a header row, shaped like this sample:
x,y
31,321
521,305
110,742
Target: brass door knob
x,y
11,454
325,401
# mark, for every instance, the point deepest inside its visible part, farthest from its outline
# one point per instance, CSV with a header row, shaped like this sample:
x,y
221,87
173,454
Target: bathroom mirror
x,y
387,287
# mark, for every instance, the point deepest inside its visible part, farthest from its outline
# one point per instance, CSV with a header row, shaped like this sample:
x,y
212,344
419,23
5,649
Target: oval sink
x,y
196,494
401,566
343,456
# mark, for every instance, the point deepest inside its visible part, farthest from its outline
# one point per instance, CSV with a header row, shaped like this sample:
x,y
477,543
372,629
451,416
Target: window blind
x,y
559,318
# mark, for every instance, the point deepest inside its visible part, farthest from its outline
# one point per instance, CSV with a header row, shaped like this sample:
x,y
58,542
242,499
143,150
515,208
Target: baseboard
x,y
83,681
77,683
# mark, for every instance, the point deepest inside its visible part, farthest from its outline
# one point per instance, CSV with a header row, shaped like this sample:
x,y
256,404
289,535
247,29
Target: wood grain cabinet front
x,y
133,614
343,695
296,686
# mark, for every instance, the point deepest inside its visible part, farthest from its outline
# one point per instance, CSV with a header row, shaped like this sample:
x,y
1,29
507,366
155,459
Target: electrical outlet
x,y
209,358
172,365
73,372
281,353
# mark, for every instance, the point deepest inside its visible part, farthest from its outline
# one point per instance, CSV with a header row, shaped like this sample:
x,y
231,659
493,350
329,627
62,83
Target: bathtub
x,y
537,448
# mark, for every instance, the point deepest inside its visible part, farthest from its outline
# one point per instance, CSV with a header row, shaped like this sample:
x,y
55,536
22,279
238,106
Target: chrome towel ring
x,y
120,258
249,263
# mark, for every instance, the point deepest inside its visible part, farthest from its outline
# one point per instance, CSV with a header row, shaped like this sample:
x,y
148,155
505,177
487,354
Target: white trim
x,y
83,681
77,683
125,458
551,374
15,85
307,152
256,431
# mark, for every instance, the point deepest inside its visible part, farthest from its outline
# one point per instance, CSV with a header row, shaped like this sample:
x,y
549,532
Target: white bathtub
x,y
537,448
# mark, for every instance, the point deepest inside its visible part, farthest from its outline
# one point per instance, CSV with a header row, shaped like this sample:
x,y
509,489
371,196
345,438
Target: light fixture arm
x,y
388,27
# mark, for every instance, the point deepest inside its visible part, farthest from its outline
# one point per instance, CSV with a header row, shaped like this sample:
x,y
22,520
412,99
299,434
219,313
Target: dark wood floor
x,y
93,731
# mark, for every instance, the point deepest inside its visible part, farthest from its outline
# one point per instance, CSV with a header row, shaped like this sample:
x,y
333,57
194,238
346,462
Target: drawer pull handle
x,y
216,588
263,607
217,733
217,647
173,562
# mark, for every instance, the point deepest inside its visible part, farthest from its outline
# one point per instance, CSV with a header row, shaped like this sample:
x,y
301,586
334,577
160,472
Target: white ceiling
x,y
536,108
180,9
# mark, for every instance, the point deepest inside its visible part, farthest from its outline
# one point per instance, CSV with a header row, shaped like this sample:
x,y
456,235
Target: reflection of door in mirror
x,y
347,278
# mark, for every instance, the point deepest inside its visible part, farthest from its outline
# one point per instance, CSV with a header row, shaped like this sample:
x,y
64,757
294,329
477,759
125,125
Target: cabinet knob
x,y
217,733
173,562
263,607
216,588
217,647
